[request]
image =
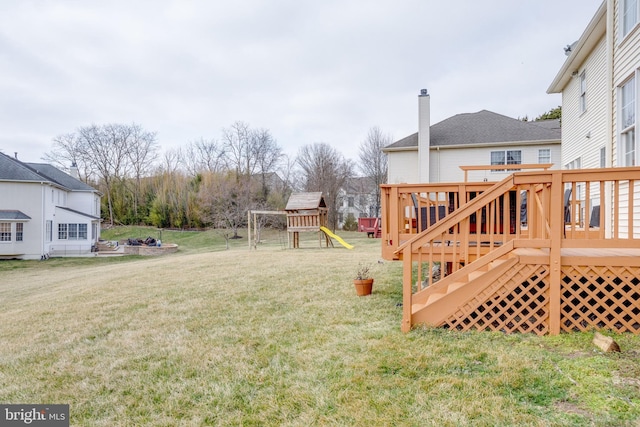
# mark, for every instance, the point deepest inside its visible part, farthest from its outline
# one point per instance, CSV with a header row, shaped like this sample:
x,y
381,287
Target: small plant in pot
x,y
363,280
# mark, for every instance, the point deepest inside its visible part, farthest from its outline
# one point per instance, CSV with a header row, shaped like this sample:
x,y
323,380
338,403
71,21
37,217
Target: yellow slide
x,y
338,238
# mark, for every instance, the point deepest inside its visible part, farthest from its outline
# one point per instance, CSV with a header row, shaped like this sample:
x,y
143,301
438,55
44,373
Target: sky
x,y
308,71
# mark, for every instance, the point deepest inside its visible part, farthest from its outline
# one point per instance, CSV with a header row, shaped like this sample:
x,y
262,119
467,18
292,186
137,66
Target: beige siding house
x,y
436,152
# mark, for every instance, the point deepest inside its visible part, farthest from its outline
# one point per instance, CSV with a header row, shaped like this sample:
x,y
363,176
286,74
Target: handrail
x,y
466,169
462,212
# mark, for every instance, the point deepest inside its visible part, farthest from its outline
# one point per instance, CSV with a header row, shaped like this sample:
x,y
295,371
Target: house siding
x,y
403,167
45,202
584,133
26,198
445,163
626,61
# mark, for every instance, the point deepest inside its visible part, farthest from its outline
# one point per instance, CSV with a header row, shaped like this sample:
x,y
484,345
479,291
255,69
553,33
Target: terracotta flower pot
x,y
363,287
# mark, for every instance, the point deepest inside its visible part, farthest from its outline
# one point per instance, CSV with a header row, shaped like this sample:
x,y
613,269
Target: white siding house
x,y
45,212
357,198
600,117
583,84
436,152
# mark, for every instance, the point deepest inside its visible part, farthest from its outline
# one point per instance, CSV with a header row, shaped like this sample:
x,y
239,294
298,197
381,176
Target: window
x,y
509,157
627,139
82,231
49,231
497,158
629,15
544,155
72,231
583,92
5,231
350,202
603,157
62,231
19,231
575,164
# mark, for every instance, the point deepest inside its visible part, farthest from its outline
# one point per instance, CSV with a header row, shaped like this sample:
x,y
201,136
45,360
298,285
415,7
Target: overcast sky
x,y
309,71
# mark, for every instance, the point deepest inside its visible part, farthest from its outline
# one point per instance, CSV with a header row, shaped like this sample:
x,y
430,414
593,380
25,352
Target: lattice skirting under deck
x,y
592,298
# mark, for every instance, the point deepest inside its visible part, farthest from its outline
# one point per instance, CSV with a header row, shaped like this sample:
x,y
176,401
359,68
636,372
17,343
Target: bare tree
x,y
223,204
108,149
324,169
373,162
67,151
171,160
267,155
237,148
203,156
142,153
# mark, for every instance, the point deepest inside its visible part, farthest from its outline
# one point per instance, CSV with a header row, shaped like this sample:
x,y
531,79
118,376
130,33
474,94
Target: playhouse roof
x,y
303,201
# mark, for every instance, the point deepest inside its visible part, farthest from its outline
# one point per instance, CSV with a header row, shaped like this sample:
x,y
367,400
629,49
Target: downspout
x,y
438,149
43,221
610,30
610,41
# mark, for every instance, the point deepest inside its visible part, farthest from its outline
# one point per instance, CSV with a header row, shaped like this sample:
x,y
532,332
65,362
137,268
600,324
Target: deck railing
x,y
591,204
548,210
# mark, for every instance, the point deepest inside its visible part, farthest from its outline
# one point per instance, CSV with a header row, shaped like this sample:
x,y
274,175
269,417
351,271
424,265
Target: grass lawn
x,y
209,336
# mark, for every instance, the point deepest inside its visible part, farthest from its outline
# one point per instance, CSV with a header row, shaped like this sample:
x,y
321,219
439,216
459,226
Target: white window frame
x,y
544,155
72,231
63,231
574,164
82,231
583,92
498,158
19,231
627,117
6,234
49,231
507,158
629,16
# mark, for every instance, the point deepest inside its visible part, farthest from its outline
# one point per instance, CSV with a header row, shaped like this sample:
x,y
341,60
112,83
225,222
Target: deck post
x,y
556,225
406,290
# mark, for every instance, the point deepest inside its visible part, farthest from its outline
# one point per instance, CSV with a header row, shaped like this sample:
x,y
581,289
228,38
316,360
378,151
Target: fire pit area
x,y
148,246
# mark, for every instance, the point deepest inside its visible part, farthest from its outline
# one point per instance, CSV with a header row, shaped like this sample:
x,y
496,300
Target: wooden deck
x,y
541,251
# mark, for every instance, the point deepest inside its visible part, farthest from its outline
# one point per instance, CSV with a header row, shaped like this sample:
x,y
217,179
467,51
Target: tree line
x,y
208,182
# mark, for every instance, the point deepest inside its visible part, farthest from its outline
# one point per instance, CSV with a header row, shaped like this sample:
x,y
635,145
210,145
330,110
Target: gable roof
x,y
304,201
481,128
581,49
77,212
359,185
12,169
56,175
13,215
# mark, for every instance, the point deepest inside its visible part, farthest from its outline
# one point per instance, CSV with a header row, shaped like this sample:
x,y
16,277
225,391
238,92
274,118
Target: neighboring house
x,y
358,198
45,212
436,152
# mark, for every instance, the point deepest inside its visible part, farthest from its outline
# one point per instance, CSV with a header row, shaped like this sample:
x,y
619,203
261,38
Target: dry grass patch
x,y
275,337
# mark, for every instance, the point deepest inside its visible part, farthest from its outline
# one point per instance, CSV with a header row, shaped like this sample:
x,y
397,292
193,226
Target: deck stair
x,y
434,304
